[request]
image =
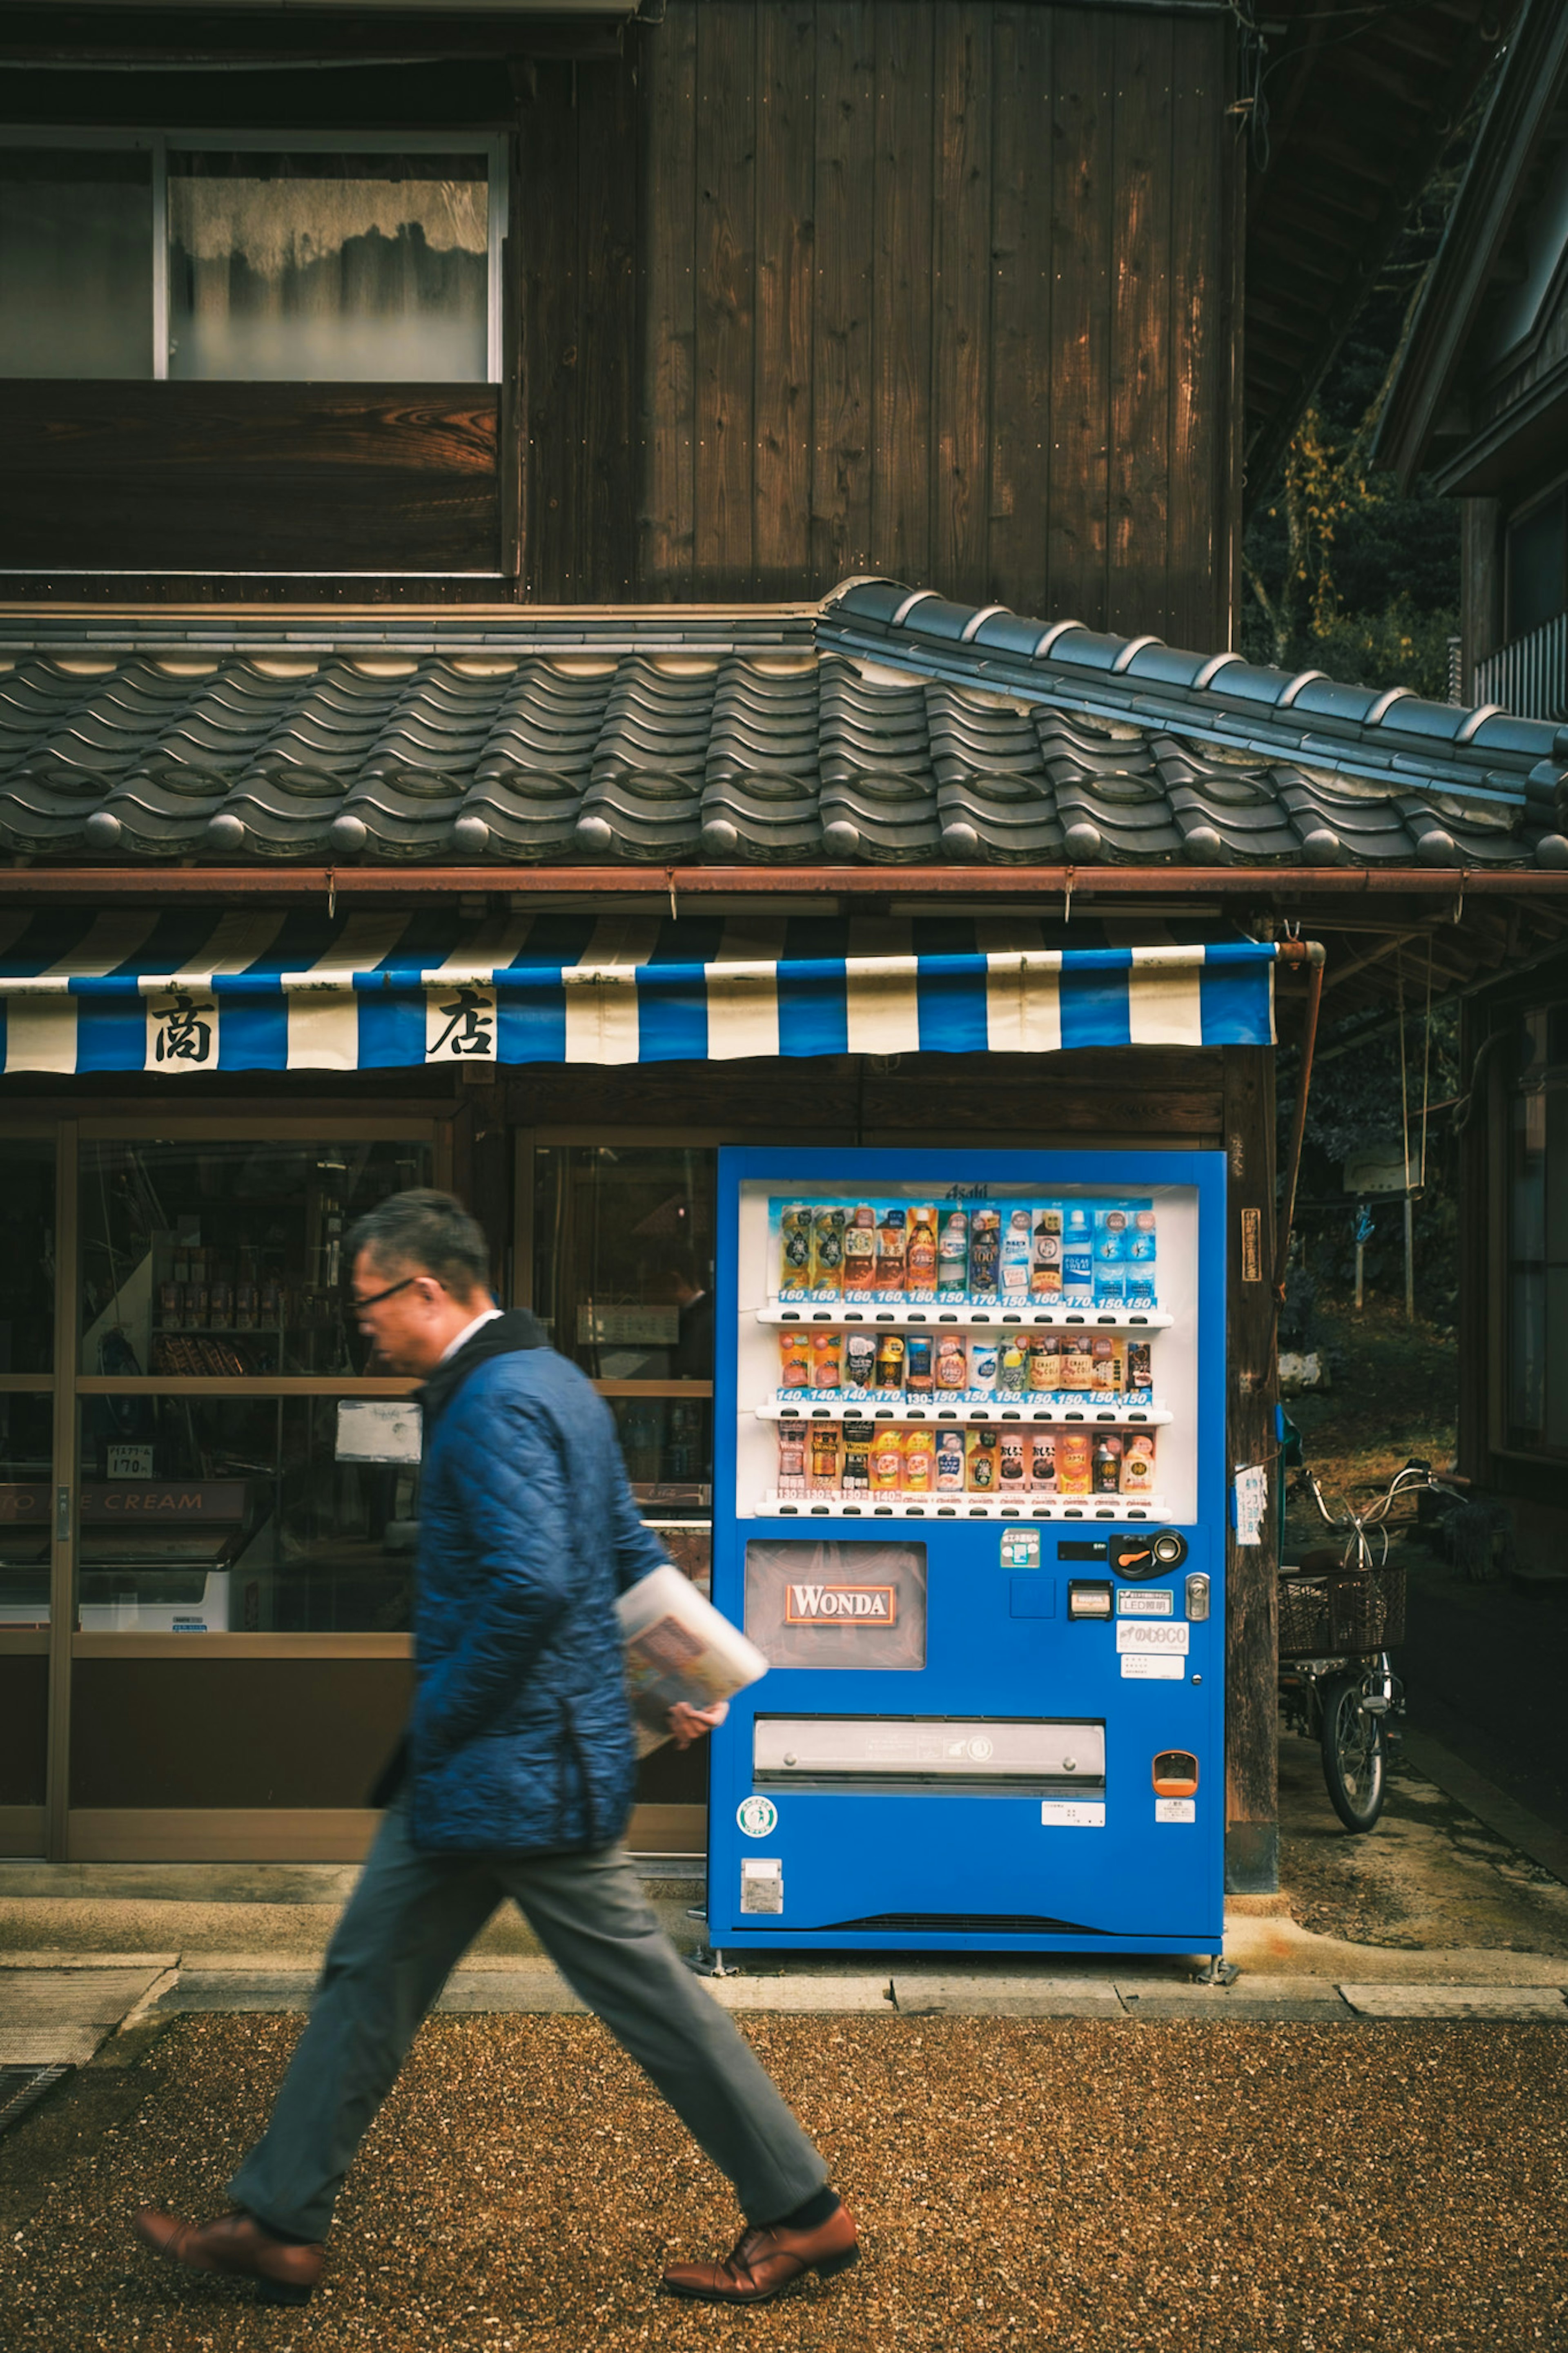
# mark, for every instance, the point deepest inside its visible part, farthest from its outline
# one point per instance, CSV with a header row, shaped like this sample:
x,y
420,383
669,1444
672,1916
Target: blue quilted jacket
x,y
520,1739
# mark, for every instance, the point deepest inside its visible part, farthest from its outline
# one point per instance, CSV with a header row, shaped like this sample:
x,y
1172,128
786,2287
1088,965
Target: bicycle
x,y
1338,1621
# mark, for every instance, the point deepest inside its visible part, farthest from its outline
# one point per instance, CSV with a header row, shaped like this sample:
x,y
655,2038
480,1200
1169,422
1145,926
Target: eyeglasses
x,y
360,1305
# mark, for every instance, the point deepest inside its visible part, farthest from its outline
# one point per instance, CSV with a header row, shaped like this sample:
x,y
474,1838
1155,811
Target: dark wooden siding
x,y
249,477
796,288
940,289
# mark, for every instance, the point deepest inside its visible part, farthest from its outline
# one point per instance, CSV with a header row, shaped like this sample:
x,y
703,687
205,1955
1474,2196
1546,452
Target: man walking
x,y
515,1780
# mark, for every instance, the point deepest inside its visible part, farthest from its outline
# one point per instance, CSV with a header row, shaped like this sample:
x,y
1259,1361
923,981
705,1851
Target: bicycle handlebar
x,y
1356,1526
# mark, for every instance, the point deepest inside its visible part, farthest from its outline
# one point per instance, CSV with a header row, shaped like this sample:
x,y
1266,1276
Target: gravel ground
x,y
1070,2189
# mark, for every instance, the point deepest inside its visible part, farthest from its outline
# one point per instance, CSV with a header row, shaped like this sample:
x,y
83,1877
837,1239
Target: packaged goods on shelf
x,y
981,1449
919,1461
827,1360
825,1457
949,1477
792,1459
886,1459
1111,1240
985,1254
861,1251
1045,1373
1075,1463
794,1360
918,1377
827,1252
950,1372
1012,1367
1016,1244
920,1265
858,1439
1078,1259
1142,1252
892,1253
1106,1477
890,1355
952,1256
982,1366
1042,1462
859,1366
1138,1462
794,1251
1012,1466
1045,1255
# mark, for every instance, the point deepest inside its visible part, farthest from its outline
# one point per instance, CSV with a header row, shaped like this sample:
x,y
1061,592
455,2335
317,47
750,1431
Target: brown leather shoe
x,y
236,2246
765,2262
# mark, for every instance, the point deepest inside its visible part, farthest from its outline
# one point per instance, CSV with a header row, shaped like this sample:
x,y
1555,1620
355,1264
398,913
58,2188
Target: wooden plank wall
x,y
248,476
937,289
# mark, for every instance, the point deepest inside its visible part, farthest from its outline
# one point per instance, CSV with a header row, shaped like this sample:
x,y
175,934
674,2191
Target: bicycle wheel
x,y
1355,1755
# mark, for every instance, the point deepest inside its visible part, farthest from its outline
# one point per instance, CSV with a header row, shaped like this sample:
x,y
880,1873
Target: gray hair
x,y
429,1232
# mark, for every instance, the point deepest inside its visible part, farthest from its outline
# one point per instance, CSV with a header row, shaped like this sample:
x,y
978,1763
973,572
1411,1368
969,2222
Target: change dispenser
x,y
969,1489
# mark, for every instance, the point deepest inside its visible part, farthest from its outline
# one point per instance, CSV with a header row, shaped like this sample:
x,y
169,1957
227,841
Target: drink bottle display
x,y
1077,1360
792,1461
1075,1463
981,1450
1045,1258
827,1250
1107,1355
794,1360
1140,1365
825,1460
1015,1247
1138,1463
857,1471
983,1367
1111,1242
1011,1472
950,1462
795,1247
953,1252
1043,1462
920,1260
1012,1365
887,1460
1142,1252
918,1376
920,1462
892,1254
952,1369
890,1355
1107,1469
1045,1363
985,1253
827,1360
860,1250
859,1363
1078,1260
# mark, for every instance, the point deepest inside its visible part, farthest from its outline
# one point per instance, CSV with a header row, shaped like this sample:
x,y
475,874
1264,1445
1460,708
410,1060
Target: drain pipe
x,y
1314,960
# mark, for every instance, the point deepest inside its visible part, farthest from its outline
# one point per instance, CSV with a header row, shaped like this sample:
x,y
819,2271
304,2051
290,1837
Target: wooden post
x,y
1252,1810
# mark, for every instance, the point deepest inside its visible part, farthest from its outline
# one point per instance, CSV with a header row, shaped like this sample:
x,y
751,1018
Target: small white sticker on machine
x,y
1175,1809
1139,1634
1152,1666
1075,1814
762,1884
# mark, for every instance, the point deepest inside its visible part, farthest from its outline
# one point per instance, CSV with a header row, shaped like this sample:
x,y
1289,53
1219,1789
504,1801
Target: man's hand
x,y
687,1723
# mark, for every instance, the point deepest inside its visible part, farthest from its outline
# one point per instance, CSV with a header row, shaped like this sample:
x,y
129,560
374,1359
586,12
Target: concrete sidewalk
x,y
1434,1915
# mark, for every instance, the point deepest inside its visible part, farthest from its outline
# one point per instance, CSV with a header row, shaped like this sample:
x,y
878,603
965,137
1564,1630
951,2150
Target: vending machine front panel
x,y
969,1494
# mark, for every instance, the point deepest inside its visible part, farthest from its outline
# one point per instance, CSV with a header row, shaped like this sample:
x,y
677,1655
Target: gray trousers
x,y
409,1921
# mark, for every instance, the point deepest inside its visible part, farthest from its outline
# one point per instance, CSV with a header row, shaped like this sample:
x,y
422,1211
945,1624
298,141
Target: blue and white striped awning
x,y
264,990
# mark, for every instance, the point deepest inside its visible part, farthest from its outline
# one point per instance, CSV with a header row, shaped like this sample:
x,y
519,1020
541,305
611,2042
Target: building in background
x,y
462,722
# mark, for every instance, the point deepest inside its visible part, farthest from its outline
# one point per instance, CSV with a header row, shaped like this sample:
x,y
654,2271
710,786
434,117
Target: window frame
x,y
494,146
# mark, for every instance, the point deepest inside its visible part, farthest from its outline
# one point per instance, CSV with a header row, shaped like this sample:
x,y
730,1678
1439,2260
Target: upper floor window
x,y
246,259
1538,567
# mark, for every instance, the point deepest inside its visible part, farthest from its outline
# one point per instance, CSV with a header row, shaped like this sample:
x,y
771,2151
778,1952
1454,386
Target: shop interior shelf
x,y
1021,1409
904,1315
963,1507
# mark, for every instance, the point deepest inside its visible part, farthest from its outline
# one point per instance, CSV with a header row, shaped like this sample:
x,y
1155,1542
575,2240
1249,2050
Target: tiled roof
x,y
901,728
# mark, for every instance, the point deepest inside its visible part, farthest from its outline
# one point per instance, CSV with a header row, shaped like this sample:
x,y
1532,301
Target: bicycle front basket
x,y
1323,1615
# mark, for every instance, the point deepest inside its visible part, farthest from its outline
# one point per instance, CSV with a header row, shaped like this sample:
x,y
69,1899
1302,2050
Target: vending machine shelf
x,y
908,1314
895,1409
963,1507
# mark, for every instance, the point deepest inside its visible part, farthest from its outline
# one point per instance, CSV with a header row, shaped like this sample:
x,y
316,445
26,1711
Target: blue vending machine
x,y
969,1489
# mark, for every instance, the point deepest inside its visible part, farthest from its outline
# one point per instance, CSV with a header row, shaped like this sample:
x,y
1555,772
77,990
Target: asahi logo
x,y
840,1605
